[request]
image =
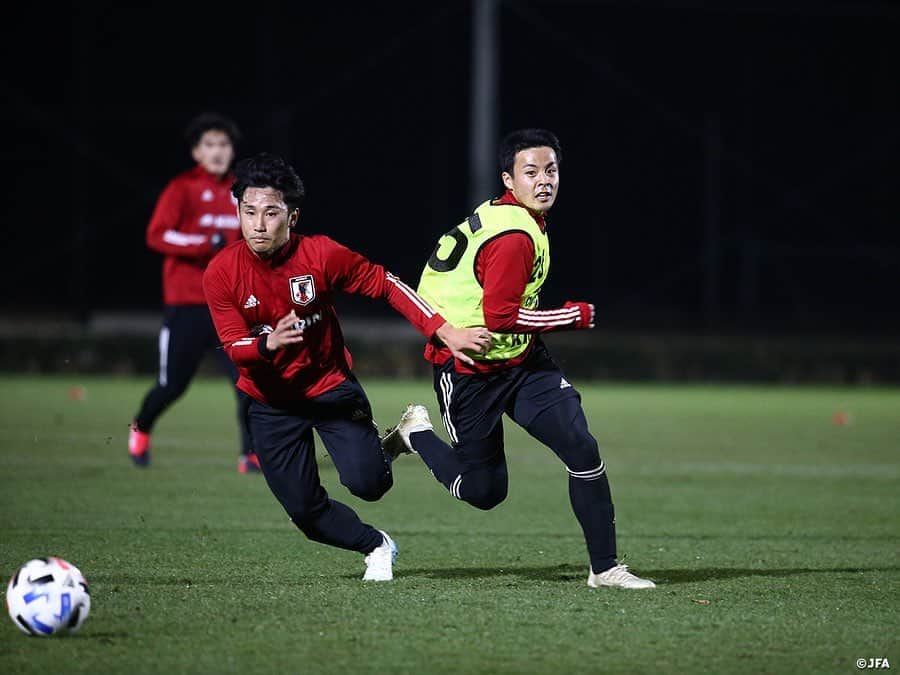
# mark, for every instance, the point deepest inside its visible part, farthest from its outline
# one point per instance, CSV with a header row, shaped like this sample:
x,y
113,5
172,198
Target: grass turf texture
x,y
772,533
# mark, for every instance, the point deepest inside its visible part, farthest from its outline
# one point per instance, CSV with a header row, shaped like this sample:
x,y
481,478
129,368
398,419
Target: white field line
x,y
14,442
877,470
16,448
825,470
117,438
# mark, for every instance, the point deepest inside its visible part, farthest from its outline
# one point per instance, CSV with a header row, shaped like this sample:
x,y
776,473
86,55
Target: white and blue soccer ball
x,y
48,596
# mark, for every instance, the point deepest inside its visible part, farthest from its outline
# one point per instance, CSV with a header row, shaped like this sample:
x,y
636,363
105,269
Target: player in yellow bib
x,y
488,271
449,279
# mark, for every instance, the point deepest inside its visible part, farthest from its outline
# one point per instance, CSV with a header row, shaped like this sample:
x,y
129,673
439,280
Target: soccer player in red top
x,y
489,271
272,301
194,218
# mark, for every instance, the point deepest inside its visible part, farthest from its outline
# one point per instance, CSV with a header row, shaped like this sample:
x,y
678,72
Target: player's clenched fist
x,y
286,332
585,314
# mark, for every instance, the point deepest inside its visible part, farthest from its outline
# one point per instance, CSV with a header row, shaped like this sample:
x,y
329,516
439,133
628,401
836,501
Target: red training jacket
x,y
194,205
244,293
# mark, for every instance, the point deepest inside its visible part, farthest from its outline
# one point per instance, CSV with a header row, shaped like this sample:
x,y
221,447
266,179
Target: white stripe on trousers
x,y
454,486
163,356
591,474
447,391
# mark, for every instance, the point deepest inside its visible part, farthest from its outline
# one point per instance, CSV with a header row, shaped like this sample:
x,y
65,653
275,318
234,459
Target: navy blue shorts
x,y
472,405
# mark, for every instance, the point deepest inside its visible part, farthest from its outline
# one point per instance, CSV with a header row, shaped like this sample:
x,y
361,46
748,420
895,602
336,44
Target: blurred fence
x,y
127,344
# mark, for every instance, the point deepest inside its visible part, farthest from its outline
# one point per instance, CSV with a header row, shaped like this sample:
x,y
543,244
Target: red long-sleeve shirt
x,y
503,267
244,292
191,208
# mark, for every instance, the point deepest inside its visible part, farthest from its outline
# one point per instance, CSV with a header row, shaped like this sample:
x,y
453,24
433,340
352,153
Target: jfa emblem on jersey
x,y
303,290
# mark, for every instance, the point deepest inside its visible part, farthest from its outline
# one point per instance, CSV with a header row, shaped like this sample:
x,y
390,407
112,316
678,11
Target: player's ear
x,y
507,179
293,218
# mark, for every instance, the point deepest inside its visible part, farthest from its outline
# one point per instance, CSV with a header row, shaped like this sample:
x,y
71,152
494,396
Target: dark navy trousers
x,y
285,445
538,397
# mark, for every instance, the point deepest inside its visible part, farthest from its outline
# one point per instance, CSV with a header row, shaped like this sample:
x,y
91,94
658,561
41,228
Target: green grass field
x,y
773,535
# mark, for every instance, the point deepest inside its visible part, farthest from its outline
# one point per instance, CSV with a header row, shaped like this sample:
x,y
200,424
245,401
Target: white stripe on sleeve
x,y
181,239
414,297
549,318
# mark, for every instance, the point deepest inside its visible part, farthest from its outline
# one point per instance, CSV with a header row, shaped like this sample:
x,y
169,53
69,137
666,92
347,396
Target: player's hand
x,y
286,332
476,340
586,314
217,241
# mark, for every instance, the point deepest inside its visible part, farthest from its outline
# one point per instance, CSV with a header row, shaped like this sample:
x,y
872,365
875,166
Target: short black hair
x,y
522,139
268,170
211,121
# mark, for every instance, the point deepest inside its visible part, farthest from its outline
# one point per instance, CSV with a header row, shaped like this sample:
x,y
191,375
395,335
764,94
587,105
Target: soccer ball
x,y
48,596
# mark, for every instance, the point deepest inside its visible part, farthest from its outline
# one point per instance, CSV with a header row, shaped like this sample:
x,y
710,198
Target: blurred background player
x,y
272,301
489,271
194,218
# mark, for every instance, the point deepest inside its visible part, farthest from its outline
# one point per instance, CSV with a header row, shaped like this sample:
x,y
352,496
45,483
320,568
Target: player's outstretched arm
x,y
571,316
462,340
505,265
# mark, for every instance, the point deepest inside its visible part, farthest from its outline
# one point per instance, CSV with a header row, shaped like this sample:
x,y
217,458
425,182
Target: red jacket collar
x,y
509,198
199,171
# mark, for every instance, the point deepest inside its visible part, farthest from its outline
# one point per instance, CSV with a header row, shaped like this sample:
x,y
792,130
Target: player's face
x,y
265,219
535,178
214,152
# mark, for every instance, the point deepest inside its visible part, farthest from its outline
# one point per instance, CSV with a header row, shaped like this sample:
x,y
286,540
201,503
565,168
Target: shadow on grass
x,y
716,573
568,573
564,573
102,638
552,573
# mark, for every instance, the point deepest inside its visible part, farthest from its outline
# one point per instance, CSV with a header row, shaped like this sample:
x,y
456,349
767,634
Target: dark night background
x,y
789,228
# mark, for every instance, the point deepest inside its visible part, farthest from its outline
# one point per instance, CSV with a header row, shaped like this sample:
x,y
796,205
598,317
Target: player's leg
x,y
286,449
350,436
563,428
482,479
473,469
343,419
247,461
181,348
549,408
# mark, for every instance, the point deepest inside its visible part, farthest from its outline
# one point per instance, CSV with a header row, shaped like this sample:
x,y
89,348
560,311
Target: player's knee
x,y
483,489
369,487
487,499
581,453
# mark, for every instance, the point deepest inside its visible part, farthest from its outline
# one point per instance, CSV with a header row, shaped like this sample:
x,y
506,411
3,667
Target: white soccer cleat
x,y
395,441
380,562
618,577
